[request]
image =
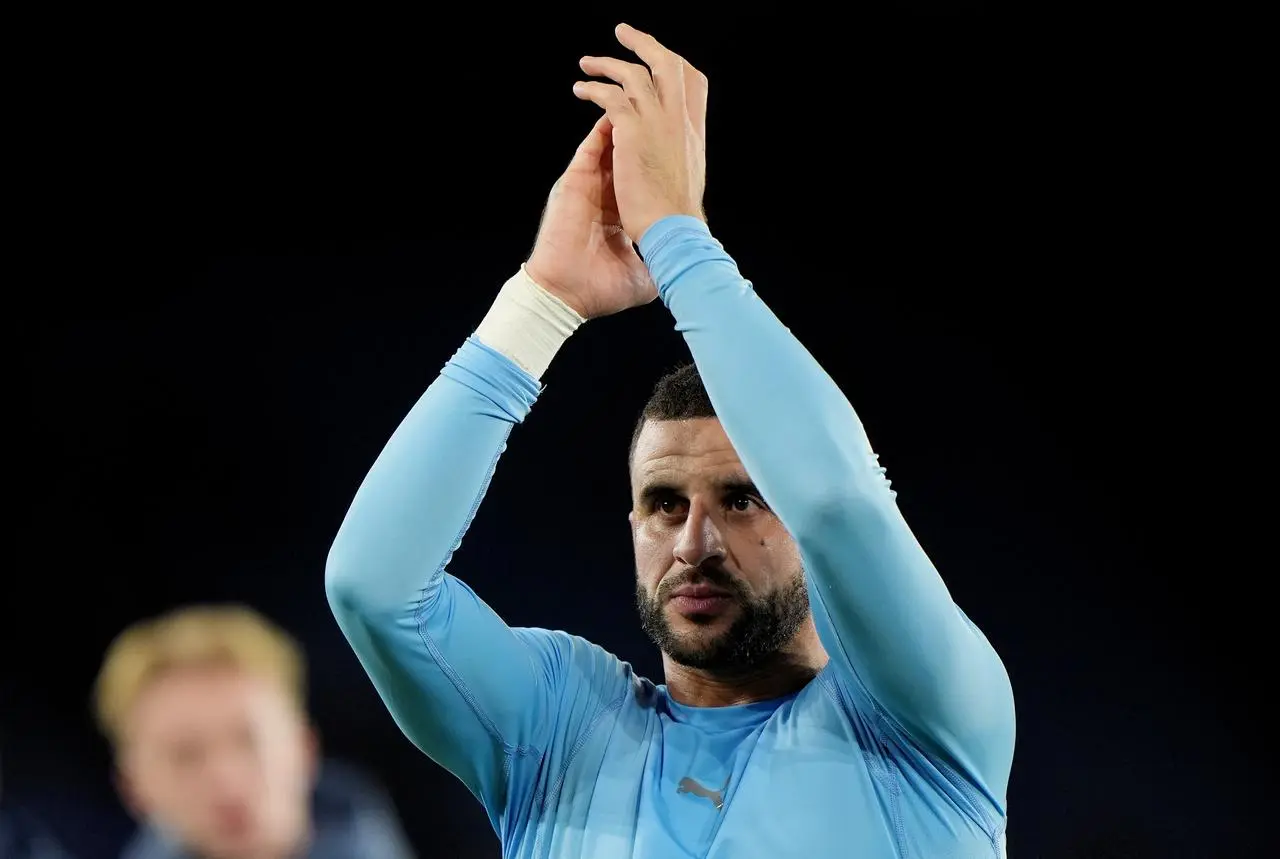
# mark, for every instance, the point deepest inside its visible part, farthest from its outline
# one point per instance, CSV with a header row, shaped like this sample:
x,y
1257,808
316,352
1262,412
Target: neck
x,y
789,670
300,843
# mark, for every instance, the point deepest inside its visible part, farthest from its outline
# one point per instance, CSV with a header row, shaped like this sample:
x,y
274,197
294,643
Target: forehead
x,y
196,699
683,451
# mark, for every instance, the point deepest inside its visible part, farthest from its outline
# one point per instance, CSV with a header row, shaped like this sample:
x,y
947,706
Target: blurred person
x,y
23,835
215,755
824,695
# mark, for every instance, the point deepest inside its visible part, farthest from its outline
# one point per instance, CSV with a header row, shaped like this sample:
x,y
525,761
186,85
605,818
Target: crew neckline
x,y
723,718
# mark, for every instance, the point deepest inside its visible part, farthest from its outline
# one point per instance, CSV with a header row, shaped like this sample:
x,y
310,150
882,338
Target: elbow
x,y
346,587
340,584
366,587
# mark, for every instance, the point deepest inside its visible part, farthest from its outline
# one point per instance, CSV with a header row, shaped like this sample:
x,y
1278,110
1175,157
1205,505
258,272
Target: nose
x,y
230,772
700,540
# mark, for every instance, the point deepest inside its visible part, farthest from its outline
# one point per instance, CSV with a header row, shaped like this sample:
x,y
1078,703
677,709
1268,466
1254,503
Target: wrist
x,y
669,216
535,273
665,228
527,323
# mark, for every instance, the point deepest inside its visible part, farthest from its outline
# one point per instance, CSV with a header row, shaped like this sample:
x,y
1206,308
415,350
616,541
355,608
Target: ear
x,y
311,751
633,519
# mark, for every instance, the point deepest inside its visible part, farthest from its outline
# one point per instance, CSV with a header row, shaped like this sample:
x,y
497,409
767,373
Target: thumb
x,y
596,142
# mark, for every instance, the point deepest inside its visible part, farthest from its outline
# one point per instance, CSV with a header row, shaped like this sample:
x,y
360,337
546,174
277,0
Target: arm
x,y
470,692
883,613
466,689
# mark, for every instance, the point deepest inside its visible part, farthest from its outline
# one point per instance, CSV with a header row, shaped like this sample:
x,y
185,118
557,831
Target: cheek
x,y
284,773
166,792
653,555
286,759
784,552
771,559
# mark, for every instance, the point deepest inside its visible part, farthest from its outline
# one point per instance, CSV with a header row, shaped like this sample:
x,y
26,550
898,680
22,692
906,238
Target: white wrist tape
x,y
527,324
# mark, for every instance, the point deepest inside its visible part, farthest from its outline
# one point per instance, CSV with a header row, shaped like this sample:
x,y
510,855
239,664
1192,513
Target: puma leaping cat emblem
x,y
688,785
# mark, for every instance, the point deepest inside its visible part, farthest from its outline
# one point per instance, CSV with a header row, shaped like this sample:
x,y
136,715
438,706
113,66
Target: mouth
x,y
235,821
701,599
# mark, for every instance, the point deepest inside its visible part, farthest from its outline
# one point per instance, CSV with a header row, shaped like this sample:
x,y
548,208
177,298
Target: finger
x,y
608,97
667,66
695,98
635,78
598,139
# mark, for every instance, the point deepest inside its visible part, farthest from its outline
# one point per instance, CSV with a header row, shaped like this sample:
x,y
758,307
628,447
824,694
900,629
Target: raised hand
x,y
582,255
658,116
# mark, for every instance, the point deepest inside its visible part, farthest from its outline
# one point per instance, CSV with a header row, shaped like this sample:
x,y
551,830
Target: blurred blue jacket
x,y
352,818
24,837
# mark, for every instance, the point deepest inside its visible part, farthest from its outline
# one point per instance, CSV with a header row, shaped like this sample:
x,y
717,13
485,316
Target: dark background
x,y
260,240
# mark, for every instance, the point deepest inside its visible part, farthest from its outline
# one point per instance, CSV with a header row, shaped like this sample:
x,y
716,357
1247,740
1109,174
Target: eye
x,y
246,739
186,754
667,506
741,502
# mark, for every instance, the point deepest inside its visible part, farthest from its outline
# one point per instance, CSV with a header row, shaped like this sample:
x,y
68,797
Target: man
x,y
205,709
824,697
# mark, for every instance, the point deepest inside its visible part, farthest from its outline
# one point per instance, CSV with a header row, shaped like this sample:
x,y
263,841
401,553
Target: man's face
x,y
221,759
719,581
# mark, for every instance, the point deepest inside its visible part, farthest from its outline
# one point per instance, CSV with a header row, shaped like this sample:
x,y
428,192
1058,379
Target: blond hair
x,y
196,635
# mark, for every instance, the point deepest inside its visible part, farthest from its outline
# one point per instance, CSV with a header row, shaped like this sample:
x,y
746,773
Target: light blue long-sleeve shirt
x,y
900,747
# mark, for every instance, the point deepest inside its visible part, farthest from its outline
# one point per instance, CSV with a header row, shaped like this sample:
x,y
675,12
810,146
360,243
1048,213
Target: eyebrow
x,y
726,486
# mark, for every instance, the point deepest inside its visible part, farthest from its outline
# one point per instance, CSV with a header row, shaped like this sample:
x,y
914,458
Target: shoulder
x,y
344,788
585,683
147,843
566,659
921,769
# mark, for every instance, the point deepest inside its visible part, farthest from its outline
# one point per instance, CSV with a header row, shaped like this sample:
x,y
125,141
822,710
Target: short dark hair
x,y
678,396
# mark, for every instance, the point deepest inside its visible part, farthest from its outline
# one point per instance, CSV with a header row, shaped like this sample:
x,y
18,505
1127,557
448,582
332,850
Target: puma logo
x,y
688,785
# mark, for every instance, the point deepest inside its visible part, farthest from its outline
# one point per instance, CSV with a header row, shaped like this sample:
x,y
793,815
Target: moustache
x,y
714,576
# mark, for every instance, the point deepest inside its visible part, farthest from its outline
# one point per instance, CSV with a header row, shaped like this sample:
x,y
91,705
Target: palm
x,y
582,254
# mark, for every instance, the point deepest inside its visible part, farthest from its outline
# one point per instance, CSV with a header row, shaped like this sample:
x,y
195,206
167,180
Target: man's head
x,y
204,708
719,581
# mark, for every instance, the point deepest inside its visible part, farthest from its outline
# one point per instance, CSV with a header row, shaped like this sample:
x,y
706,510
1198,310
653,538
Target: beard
x,y
763,626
